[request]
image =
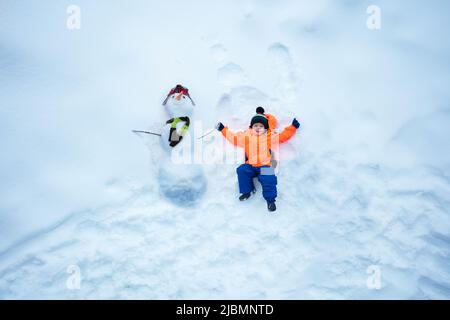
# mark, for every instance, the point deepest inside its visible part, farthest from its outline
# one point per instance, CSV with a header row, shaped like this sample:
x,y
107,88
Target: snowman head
x,y
178,102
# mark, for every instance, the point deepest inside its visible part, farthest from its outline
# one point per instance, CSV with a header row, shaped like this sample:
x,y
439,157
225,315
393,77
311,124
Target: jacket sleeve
x,y
287,133
235,138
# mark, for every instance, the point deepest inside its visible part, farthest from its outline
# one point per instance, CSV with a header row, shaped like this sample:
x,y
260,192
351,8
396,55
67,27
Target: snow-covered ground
x,y
364,186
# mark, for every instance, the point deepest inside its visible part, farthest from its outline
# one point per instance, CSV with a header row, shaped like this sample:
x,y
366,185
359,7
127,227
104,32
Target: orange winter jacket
x,y
259,149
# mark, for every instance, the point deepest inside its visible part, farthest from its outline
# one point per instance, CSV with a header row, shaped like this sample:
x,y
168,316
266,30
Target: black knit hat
x,y
260,118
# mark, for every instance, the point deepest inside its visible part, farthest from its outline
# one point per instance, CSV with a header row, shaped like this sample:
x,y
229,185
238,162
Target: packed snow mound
x,y
422,136
180,180
182,184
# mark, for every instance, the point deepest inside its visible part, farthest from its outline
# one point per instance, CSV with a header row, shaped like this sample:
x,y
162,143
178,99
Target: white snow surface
x,y
365,182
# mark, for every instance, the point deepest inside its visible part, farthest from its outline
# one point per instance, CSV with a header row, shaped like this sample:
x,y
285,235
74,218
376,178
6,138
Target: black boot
x,y
245,196
271,206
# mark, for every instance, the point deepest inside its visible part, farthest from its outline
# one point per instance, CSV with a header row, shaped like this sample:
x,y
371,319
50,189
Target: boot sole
x,y
251,193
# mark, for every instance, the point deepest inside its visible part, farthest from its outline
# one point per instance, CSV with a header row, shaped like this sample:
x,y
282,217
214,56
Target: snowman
x,y
180,108
181,183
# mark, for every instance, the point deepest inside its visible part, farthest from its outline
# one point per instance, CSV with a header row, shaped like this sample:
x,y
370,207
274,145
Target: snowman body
x,y
181,182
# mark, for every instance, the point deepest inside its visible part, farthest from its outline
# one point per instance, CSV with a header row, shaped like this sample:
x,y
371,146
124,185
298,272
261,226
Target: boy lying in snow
x,y
258,142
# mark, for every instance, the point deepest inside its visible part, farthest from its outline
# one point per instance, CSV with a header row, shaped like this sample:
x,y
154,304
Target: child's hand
x,y
220,126
295,123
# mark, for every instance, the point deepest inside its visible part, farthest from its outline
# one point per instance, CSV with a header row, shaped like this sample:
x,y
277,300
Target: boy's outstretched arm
x,y
289,131
234,138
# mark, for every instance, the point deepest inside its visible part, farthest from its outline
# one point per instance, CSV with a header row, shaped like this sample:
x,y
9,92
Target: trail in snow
x,y
131,251
335,219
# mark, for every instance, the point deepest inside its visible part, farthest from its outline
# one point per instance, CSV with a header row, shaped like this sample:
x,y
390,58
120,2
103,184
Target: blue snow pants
x,y
266,176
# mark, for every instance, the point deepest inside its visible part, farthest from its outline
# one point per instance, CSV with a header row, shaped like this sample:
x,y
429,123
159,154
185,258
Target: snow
x,y
365,183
